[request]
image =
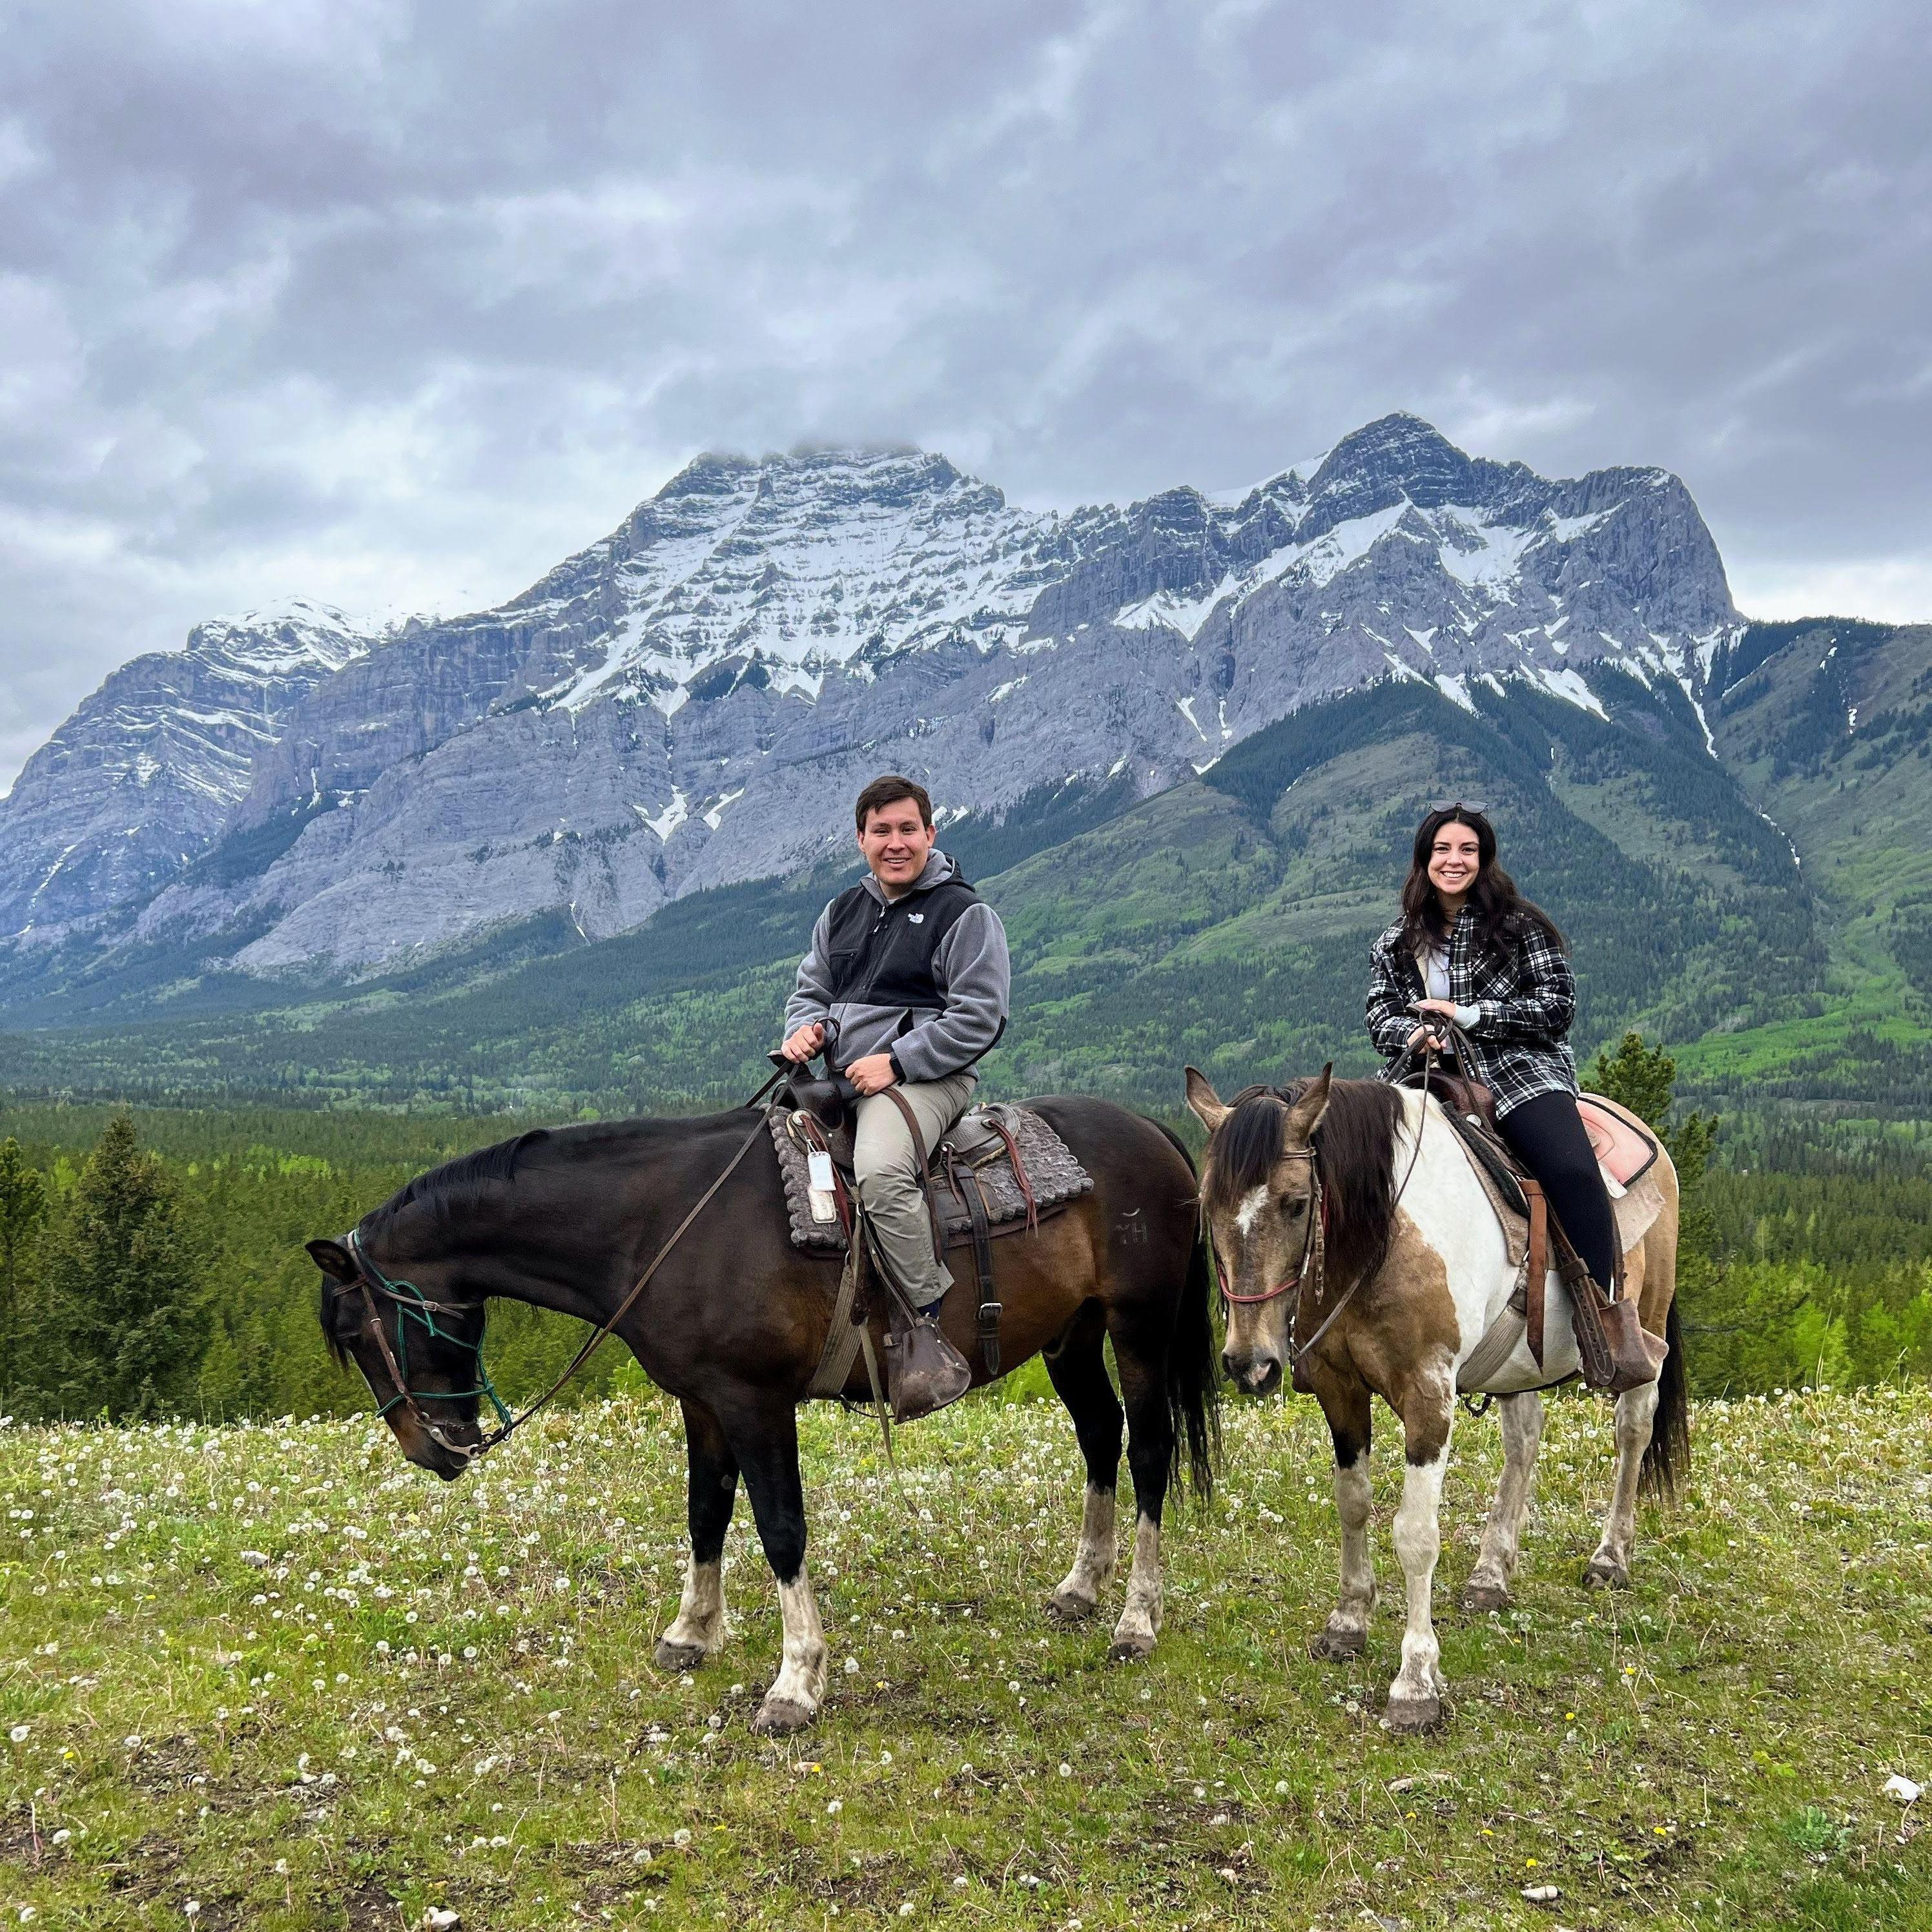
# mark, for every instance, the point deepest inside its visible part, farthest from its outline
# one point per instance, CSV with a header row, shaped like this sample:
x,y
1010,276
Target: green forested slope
x,y
1829,732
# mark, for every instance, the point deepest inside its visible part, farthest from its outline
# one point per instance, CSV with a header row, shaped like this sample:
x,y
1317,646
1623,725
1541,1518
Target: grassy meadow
x,y
268,1675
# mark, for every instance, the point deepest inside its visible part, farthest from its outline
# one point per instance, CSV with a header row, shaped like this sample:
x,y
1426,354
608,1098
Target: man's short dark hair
x,y
889,790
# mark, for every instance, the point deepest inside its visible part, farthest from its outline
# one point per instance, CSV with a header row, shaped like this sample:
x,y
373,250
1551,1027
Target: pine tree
x,y
1739,1321
128,1318
23,1207
1637,1076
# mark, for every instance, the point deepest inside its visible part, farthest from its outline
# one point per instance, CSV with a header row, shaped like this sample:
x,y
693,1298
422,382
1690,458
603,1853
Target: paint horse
x,y
1356,1247
734,1319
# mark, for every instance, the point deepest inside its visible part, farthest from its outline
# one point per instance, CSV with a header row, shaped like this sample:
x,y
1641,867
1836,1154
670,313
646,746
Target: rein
x,y
412,1304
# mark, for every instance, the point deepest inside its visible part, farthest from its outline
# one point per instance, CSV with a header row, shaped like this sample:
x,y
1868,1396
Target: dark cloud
x,y
392,305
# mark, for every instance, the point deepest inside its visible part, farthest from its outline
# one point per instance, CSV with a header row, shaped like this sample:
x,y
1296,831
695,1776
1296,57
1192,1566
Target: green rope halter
x,y
412,1305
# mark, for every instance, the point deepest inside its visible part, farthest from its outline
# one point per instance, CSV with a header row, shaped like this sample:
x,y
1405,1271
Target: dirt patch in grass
x,y
23,1837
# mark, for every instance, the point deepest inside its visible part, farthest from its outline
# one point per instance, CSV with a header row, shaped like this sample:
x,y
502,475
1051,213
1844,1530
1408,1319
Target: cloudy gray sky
x,y
393,305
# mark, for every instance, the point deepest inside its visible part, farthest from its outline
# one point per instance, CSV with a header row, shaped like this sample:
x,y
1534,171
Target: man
x,y
905,987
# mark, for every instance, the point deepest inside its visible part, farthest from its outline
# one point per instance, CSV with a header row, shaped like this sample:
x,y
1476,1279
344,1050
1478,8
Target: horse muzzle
x,y
1254,1372
444,1449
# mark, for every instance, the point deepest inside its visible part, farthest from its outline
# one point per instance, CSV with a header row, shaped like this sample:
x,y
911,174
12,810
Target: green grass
x,y
443,1696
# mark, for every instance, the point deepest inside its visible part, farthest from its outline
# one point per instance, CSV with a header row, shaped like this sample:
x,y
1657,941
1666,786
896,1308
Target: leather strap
x,y
841,1338
966,1185
1536,1280
1587,1302
1020,1175
879,1408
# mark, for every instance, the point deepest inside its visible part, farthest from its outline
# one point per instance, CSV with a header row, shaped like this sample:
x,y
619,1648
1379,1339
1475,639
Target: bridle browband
x,y
412,1304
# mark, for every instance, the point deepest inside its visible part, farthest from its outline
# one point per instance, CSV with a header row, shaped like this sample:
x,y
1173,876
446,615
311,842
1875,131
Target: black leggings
x,y
1548,1138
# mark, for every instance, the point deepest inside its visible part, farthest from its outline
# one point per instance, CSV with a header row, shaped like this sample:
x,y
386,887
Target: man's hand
x,y
872,1075
1423,1036
1447,1008
803,1044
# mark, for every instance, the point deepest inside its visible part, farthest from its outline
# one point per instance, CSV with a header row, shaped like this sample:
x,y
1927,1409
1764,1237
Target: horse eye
x,y
1294,1210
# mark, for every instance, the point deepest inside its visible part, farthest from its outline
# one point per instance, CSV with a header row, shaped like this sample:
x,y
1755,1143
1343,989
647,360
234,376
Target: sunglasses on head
x,y
1458,805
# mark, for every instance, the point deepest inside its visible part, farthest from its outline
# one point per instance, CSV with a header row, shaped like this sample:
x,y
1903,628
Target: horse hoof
x,y
780,1717
1129,1649
1481,1598
1331,1646
678,1656
1600,1575
1063,1607
1410,1716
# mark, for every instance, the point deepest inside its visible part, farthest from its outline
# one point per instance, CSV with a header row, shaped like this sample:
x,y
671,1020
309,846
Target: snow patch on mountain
x,y
137,783
694,699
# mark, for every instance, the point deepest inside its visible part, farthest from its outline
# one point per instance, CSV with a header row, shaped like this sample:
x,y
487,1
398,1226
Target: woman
x,y
1469,948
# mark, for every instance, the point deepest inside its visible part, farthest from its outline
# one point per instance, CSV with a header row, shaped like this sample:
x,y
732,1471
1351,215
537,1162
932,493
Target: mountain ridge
x,y
689,701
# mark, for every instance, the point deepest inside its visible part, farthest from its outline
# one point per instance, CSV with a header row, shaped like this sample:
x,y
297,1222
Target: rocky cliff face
x,y
695,700
143,777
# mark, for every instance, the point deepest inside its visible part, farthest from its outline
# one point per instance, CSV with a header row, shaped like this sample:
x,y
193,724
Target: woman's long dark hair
x,y
1502,913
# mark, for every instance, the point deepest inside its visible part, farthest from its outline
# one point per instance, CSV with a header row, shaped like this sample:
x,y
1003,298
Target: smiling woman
x,y
1470,953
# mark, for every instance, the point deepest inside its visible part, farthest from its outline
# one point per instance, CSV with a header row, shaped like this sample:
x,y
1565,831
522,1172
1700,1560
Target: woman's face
x,y
1454,859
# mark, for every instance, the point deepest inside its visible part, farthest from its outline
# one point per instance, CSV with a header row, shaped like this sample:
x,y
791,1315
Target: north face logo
x,y
915,918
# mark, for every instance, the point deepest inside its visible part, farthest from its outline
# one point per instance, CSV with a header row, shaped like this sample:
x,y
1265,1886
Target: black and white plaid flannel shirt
x,y
1524,1002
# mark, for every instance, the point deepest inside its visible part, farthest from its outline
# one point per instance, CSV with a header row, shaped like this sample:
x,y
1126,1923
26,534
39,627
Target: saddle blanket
x,y
1624,1146
1056,1178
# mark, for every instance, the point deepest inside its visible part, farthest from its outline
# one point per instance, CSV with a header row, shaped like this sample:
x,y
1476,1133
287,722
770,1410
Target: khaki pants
x,y
886,1168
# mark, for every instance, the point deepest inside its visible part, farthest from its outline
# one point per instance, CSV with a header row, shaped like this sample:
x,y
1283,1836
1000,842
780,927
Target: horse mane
x,y
1355,1148
459,1183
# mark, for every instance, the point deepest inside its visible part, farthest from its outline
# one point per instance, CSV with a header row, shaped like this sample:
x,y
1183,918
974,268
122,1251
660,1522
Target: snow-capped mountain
x,y
144,775
696,699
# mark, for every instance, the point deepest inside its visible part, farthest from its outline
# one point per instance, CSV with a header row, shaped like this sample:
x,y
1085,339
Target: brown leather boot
x,y
924,1371
1636,1356
1614,1351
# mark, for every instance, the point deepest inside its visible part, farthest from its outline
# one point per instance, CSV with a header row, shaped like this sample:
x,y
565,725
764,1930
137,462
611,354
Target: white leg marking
x,y
1415,1697
1522,1417
1637,1409
1347,1628
1093,1561
1134,1635
794,1698
699,1625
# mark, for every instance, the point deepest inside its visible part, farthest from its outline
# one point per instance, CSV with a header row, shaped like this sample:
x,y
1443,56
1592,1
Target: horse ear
x,y
333,1259
1203,1102
1306,1114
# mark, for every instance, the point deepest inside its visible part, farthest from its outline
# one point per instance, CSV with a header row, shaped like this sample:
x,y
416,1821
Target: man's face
x,y
896,842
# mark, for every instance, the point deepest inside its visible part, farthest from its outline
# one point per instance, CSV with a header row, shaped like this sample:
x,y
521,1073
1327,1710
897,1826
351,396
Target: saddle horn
x,y
828,1100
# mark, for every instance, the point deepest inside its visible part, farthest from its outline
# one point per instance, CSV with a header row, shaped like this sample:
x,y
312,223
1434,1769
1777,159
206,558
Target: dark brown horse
x,y
733,1322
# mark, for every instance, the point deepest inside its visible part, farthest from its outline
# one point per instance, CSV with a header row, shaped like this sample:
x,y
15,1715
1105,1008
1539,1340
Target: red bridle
x,y
1313,1242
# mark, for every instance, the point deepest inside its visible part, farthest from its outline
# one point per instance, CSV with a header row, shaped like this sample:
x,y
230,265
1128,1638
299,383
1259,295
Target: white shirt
x,y
1436,983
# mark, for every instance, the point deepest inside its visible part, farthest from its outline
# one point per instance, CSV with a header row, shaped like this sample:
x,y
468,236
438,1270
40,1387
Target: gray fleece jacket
x,y
970,966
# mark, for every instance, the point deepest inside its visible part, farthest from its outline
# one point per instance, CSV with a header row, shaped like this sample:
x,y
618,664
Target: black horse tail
x,y
1668,1456
1193,1370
